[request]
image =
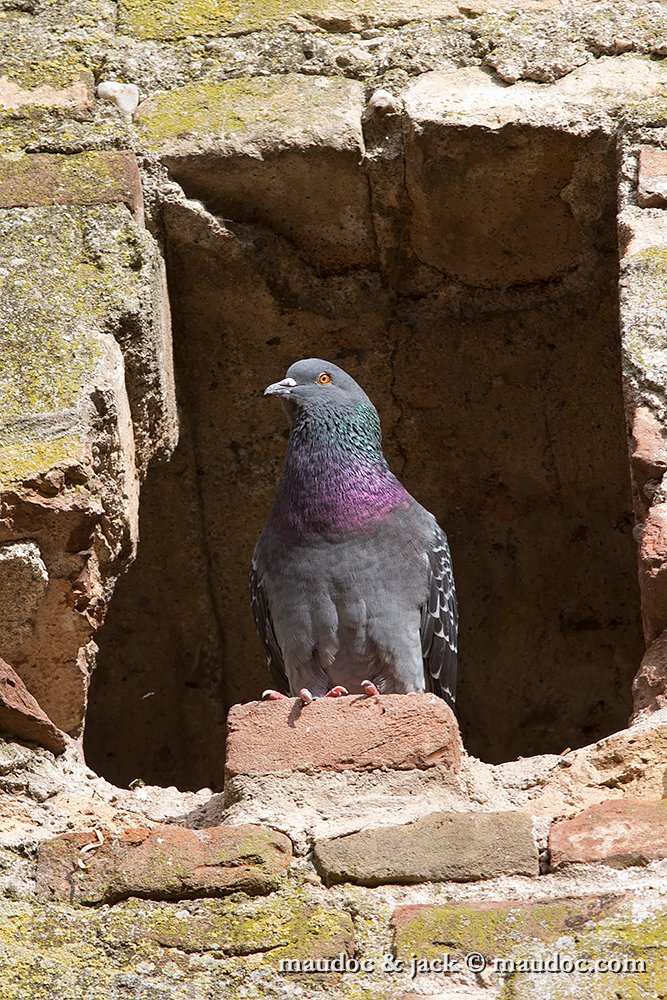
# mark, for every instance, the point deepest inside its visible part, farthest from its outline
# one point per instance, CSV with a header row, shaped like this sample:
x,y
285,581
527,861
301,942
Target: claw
x,y
337,692
369,688
306,696
271,695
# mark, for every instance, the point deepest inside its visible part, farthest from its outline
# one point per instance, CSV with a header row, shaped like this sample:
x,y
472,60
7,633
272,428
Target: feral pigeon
x,y
352,585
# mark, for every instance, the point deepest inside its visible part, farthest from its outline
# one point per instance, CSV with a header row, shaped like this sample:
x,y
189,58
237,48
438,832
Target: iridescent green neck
x,y
335,477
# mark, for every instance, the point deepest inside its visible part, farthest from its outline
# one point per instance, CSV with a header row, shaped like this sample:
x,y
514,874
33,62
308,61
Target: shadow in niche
x,y
487,334
156,709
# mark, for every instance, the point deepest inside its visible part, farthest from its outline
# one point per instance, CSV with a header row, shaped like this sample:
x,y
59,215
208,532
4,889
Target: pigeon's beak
x,y
280,388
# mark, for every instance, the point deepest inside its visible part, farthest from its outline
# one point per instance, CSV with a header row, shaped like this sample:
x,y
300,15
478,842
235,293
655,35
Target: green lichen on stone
x,y
63,271
66,276
182,949
22,459
242,106
261,930
494,929
175,19
30,71
630,932
645,275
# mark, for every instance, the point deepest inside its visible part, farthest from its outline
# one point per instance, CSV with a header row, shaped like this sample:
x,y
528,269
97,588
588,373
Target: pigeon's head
x,y
313,385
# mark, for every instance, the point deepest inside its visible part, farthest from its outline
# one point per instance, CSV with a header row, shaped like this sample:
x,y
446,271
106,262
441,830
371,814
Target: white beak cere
x,y
280,388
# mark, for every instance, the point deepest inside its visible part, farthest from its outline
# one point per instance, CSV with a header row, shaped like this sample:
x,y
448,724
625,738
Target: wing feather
x,y
439,622
262,615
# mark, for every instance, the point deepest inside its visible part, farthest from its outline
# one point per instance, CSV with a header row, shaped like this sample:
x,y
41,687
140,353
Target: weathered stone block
x,y
23,584
652,178
21,716
649,453
166,862
618,833
80,416
283,926
82,179
443,847
351,733
493,929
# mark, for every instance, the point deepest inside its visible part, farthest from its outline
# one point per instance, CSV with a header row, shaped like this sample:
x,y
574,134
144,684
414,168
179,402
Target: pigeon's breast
x,y
351,599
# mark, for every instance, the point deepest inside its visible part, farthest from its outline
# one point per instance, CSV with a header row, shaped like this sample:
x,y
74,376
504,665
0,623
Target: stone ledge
x,y
92,178
443,847
166,862
617,833
393,731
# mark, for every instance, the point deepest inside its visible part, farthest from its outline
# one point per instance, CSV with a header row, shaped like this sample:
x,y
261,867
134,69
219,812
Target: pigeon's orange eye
x,y
324,378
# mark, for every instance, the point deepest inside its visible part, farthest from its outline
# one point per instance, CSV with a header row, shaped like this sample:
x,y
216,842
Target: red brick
x,y
619,833
78,179
340,734
166,862
652,179
21,715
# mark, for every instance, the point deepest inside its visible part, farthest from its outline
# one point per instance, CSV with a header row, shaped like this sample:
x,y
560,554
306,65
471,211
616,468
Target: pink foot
x,y
369,688
306,696
337,692
271,695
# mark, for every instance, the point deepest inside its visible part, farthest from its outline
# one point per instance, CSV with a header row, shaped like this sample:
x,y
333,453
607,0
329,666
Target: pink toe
x,y
271,695
369,688
306,696
337,692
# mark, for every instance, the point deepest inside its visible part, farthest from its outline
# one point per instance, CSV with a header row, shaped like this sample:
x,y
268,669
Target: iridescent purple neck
x,y
335,478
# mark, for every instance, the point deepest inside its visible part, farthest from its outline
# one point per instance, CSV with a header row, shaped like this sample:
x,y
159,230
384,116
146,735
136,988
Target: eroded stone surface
x,y
649,688
184,950
78,422
457,847
161,863
652,179
23,585
339,734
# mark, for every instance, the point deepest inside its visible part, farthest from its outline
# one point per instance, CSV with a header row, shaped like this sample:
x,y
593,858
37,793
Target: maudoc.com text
x,y
474,961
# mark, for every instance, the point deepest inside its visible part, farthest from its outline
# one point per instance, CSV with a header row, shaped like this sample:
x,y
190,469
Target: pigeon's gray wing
x,y
260,610
439,622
